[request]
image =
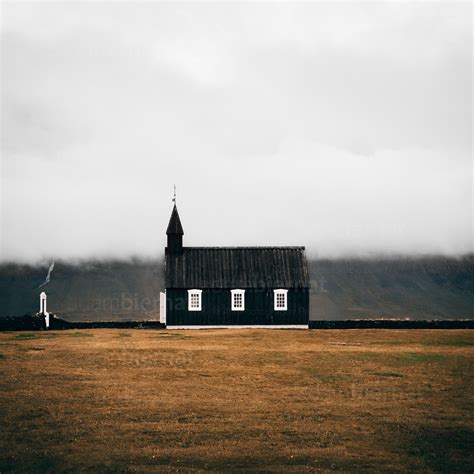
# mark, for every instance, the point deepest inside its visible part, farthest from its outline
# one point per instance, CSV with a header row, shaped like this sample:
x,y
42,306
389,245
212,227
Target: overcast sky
x,y
344,127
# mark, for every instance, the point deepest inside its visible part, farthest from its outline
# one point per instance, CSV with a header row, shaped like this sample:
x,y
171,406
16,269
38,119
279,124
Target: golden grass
x,y
236,400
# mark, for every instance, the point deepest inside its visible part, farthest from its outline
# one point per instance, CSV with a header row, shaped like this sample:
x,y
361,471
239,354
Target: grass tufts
x,y
318,373
171,335
25,336
450,343
418,357
387,374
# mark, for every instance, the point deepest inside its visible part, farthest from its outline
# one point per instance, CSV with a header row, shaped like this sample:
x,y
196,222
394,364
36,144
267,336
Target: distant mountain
x,y
415,288
92,290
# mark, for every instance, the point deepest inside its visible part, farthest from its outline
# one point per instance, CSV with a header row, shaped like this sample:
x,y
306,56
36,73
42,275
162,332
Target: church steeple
x,y
175,232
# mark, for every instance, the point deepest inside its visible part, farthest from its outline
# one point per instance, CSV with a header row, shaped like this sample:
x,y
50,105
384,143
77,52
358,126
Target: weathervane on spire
x,y
174,195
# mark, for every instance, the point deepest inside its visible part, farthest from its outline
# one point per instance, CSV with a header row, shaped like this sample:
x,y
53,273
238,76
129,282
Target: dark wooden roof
x,y
174,226
238,267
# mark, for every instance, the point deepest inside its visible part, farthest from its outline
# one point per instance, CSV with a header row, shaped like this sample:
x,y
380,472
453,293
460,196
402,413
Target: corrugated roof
x,y
238,267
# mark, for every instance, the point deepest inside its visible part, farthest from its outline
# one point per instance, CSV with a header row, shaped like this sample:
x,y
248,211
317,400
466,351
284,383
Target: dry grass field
x,y
237,400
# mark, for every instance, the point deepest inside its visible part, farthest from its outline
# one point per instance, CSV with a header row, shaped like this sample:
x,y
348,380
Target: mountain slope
x,y
423,288
416,288
106,290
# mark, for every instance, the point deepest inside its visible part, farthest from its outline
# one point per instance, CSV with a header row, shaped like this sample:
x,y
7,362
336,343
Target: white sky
x,y
343,127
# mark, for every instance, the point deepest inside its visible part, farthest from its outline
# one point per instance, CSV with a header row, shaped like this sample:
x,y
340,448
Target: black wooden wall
x,y
216,308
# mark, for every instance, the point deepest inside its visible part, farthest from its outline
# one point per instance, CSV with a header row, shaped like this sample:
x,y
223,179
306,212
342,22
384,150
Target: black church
x,y
234,286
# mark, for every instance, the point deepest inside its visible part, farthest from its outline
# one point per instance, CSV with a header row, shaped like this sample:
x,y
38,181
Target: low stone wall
x,y
22,323
392,324
56,323
32,323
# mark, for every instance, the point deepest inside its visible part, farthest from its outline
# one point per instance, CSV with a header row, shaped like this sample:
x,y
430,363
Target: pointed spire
x,y
174,226
174,231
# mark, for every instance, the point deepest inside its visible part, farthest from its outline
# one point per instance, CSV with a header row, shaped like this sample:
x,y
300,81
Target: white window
x,y
194,300
238,300
280,300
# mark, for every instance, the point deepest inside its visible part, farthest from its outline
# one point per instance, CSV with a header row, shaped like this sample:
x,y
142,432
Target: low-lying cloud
x,y
344,128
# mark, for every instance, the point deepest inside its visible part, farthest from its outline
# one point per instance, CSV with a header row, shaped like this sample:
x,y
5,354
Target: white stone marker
x,y
42,310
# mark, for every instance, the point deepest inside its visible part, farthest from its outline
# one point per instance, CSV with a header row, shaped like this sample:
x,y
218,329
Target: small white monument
x,y
43,310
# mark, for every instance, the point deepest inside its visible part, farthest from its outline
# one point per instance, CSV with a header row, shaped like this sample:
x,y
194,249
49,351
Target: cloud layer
x,y
346,128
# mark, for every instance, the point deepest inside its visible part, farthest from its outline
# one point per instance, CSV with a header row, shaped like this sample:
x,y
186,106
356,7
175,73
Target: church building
x,y
233,286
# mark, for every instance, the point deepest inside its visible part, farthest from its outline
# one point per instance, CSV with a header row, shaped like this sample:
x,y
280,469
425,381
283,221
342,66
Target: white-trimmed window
x,y
194,300
238,300
280,300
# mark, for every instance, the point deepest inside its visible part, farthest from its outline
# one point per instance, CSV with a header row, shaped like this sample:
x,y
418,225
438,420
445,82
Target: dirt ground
x,y
237,400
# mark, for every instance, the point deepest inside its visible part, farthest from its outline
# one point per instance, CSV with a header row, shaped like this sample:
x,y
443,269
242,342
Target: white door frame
x,y
162,307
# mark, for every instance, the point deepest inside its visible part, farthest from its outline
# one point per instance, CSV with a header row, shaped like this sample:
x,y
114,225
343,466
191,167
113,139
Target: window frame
x,y
276,294
192,293
232,300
